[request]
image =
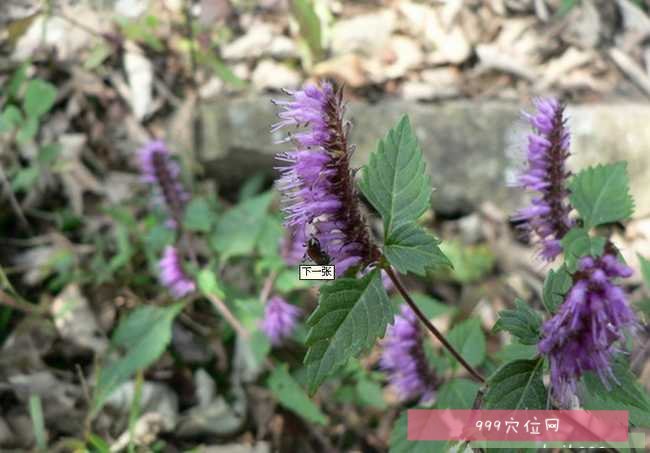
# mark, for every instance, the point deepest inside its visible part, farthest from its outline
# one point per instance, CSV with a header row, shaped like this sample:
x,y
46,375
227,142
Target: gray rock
x,y
466,144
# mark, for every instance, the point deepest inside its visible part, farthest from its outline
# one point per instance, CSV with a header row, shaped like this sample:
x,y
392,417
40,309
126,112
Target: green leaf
x,y
523,322
468,339
370,393
268,240
399,442
601,194
208,284
515,351
10,118
626,394
410,248
457,394
309,26
199,216
350,316
470,263
48,154
143,336
28,130
288,280
556,285
395,181
238,229
645,270
516,385
25,178
38,422
39,98
577,243
432,308
293,397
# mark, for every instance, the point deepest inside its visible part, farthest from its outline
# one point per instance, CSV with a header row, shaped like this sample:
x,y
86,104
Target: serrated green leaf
x,y
516,385
143,336
198,215
523,322
39,98
577,243
645,270
293,397
556,285
395,181
410,248
351,315
457,394
468,339
399,442
238,229
601,194
626,394
516,351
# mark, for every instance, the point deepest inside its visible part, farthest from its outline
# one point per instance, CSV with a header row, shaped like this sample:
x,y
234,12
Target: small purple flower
x,y
585,333
172,274
548,149
403,358
317,184
280,319
159,169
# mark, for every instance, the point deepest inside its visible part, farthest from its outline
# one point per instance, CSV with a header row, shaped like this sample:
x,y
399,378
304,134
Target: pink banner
x,y
518,425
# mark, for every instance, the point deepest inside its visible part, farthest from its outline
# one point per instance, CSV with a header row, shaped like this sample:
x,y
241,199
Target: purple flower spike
x,y
280,319
317,184
404,360
548,149
159,169
585,333
172,274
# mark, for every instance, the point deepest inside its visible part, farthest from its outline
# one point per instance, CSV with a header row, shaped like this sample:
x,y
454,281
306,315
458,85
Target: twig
x,y
14,203
228,316
398,284
6,299
268,286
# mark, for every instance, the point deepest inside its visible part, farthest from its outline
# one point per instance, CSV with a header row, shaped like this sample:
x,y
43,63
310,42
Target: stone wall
x,y
472,148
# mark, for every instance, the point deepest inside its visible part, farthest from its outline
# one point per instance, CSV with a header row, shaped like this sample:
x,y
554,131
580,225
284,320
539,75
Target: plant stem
x,y
228,316
429,326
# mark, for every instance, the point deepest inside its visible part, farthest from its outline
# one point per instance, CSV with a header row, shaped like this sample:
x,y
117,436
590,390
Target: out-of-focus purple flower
x,y
317,184
585,333
548,148
403,358
280,319
172,274
293,247
163,173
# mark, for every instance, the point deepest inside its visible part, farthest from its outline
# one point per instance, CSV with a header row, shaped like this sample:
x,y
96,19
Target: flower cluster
x,y
159,169
404,360
172,274
548,149
584,334
317,183
280,318
293,247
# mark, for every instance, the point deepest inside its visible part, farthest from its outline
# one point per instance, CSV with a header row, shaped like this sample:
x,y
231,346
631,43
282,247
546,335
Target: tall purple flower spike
x,y
280,319
548,149
317,183
172,274
159,169
585,333
403,358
